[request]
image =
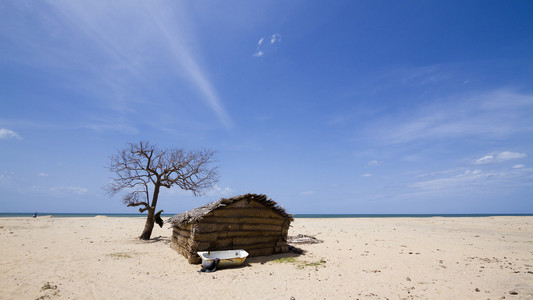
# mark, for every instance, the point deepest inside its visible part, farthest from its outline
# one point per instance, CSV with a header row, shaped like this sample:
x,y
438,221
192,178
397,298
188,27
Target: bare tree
x,y
142,169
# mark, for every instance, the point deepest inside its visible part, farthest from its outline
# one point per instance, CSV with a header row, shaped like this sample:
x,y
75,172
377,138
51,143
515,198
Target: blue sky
x,y
326,107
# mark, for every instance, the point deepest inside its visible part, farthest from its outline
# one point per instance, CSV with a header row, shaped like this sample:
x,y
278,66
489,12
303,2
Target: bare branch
x,y
138,203
143,168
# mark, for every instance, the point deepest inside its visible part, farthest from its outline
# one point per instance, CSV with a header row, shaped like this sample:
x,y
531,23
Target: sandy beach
x,y
361,258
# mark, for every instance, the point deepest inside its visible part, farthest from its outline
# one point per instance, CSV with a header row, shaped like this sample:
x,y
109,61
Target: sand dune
x,y
394,258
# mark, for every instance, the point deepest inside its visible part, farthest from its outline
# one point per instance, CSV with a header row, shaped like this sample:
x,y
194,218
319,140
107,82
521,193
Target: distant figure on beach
x,y
35,215
158,219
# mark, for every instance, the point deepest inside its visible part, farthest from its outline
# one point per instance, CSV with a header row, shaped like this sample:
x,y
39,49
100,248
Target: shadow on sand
x,y
258,260
264,259
159,239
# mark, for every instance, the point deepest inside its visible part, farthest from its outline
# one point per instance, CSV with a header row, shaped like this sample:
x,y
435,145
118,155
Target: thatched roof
x,y
198,213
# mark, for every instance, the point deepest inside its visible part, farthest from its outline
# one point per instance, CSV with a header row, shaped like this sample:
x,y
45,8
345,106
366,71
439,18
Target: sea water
x,y
311,216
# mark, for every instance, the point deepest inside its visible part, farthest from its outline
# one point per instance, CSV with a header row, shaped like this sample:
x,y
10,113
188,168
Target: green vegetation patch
x,y
285,260
317,263
301,264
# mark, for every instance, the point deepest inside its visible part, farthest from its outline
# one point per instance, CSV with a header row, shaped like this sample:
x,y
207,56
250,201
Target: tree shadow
x,y
159,239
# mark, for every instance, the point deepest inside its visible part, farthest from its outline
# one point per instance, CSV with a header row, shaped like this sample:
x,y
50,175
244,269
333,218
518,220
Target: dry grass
x,y
119,255
300,264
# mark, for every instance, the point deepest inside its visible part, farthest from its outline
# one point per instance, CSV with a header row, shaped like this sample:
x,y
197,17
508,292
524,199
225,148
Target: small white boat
x,y
228,258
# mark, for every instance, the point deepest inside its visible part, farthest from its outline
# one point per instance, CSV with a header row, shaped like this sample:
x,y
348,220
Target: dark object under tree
x,y
158,219
142,169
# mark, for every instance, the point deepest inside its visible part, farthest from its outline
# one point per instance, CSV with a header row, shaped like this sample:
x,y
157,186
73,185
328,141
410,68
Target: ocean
x,y
310,216
403,215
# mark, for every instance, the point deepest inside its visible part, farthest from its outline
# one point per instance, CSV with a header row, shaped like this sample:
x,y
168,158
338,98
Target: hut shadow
x,y
254,261
265,259
251,261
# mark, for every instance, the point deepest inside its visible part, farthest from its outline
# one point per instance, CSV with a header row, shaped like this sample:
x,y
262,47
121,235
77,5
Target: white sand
x,y
427,258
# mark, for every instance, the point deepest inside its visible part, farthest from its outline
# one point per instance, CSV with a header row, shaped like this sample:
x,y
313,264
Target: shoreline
x,y
296,216
374,258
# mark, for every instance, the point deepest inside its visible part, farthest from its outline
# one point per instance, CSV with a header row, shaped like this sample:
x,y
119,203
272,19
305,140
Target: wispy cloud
x,y
69,190
105,123
8,134
367,175
474,179
275,38
177,41
373,163
500,157
220,191
127,46
421,75
492,114
270,45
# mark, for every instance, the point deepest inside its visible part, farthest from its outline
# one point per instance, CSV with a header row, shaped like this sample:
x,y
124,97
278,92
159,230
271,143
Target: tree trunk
x,y
150,220
149,225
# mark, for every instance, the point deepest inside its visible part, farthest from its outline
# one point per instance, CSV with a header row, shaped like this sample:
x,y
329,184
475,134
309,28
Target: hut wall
x,y
241,225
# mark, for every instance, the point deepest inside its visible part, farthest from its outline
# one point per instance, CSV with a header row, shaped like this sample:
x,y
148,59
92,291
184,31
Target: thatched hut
x,y
250,222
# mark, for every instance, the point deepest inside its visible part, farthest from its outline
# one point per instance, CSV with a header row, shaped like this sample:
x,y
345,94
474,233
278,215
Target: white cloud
x,y
519,166
8,134
506,155
268,47
275,38
373,163
468,172
42,174
485,159
500,157
219,191
366,175
69,190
